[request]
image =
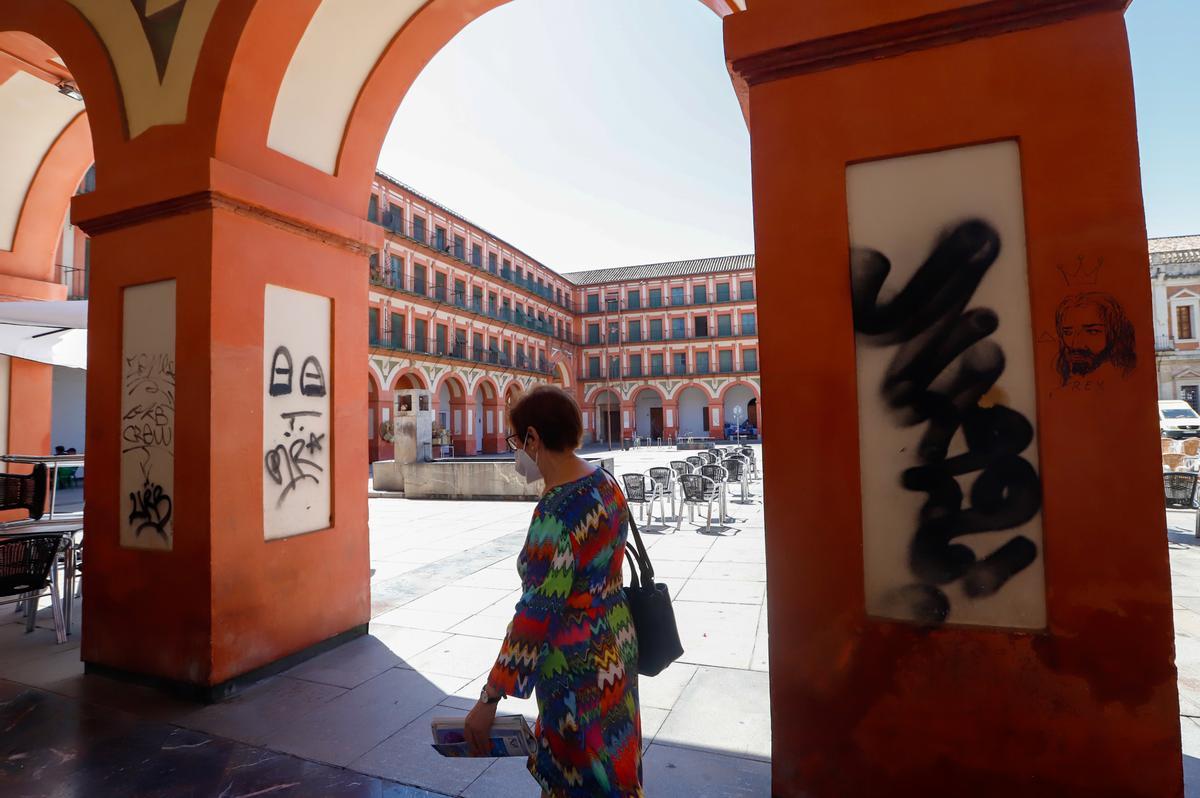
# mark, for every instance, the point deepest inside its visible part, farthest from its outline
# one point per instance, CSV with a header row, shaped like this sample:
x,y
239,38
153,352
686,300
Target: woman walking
x,y
572,638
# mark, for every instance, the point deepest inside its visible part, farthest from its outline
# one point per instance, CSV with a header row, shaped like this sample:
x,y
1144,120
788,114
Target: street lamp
x,y
737,424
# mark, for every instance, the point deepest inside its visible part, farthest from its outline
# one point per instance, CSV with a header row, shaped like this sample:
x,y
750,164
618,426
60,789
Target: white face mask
x,y
526,466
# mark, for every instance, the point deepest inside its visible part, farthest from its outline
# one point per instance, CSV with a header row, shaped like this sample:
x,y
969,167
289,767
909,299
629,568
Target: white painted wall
x,y
68,407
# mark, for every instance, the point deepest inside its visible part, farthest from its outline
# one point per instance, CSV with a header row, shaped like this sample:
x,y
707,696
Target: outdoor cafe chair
x,y
1169,445
27,573
1173,462
695,461
664,485
1180,490
718,475
738,474
748,453
697,490
25,492
641,490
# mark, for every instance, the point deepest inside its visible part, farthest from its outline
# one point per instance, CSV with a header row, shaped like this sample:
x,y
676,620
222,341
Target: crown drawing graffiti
x,y
1083,273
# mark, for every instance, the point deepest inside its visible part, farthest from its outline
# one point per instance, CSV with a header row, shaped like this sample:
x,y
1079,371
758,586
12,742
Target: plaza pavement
x,y
444,584
443,588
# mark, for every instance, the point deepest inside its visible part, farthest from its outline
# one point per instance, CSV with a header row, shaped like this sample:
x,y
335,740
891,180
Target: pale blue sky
x,y
595,133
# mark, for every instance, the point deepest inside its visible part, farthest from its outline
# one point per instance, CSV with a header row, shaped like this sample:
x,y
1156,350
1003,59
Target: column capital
x,y
780,42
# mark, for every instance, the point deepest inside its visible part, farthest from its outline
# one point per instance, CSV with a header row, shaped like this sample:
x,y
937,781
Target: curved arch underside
x,y
316,101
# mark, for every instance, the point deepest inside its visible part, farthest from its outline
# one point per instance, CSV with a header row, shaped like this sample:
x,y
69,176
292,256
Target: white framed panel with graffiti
x,y
951,490
147,480
297,429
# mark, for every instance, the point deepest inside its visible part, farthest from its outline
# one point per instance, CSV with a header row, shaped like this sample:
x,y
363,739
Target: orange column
x,y
1076,693
250,410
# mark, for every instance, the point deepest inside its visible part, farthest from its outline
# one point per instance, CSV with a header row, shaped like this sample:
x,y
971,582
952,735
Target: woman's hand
x,y
478,728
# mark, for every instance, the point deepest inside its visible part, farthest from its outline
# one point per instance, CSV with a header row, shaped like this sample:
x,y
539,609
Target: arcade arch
x,y
649,420
693,411
607,406
738,401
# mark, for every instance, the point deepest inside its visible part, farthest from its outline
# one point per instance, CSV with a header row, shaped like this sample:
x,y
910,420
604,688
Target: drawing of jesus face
x,y
1084,336
1093,330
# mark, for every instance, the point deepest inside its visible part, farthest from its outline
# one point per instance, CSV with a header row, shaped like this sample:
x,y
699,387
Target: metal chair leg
x,y
56,610
30,613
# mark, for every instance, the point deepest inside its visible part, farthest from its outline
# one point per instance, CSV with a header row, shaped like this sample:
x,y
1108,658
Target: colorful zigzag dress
x,y
572,639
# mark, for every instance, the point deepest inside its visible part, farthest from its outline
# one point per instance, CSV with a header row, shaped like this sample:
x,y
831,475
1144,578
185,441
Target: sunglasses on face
x,y
513,442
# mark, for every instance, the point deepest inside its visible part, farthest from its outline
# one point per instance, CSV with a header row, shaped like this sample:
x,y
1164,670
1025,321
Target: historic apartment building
x,y
662,350
1175,278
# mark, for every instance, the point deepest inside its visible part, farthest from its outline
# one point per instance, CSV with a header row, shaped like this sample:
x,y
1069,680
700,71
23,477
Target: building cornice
x,y
906,36
202,201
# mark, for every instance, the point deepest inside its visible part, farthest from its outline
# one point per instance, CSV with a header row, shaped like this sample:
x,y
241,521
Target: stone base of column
x,y
215,693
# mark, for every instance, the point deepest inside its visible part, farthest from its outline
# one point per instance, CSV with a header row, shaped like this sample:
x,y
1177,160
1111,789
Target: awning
x,y
47,332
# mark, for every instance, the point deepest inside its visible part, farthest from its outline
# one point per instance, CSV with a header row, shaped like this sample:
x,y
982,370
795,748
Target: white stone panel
x,y
148,416
954,213
297,425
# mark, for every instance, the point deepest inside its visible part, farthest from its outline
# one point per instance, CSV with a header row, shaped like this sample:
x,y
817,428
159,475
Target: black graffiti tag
x,y
150,508
943,366
289,465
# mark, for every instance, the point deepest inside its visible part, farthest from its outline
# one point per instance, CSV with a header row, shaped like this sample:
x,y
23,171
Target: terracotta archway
x,y
343,153
188,157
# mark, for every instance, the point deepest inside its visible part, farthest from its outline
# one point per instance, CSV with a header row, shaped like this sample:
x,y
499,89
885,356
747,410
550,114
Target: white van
x,y
1177,419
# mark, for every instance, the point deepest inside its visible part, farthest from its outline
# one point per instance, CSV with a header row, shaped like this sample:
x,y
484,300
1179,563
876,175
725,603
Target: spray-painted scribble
x,y
941,375
289,464
1093,331
151,510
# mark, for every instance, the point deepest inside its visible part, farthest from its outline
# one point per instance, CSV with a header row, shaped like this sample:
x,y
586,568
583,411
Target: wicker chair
x,y
698,489
718,475
1169,445
27,574
664,486
737,473
25,492
1173,462
1180,491
641,490
748,453
695,461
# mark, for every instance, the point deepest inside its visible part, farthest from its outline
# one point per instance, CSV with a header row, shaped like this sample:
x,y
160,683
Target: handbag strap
x,y
637,549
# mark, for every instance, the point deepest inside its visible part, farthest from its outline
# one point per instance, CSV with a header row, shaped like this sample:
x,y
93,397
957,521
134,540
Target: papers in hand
x,y
511,736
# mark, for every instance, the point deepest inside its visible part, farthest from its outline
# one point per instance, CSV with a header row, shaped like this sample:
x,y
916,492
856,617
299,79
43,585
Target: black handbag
x,y
650,606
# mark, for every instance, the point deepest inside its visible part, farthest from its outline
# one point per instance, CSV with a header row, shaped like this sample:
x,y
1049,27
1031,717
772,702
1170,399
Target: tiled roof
x,y
650,271
1174,244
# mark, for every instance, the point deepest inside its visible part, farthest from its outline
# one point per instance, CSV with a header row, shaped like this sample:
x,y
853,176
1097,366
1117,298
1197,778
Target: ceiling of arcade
x,y
33,114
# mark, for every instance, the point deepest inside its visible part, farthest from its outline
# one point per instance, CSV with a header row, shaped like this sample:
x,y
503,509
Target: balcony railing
x,y
459,350
1164,343
421,235
662,373
664,304
742,332
410,284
